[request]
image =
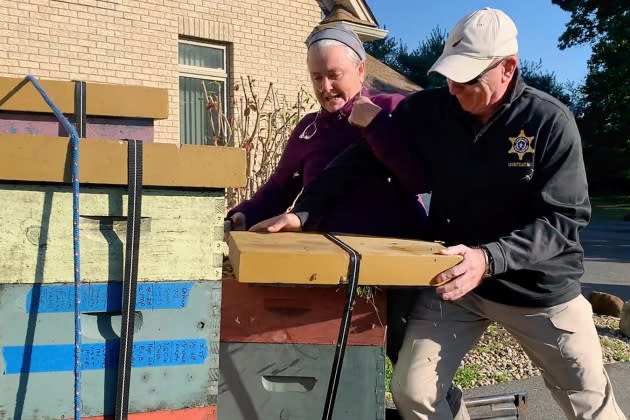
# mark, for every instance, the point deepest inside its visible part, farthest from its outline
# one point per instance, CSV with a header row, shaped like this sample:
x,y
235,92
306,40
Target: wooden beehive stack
x,y
175,351
280,322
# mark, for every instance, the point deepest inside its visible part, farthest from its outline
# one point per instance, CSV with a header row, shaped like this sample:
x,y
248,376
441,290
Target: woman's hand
x,y
287,222
234,222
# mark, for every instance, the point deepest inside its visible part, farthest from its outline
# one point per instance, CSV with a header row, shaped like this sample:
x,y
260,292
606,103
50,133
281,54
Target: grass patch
x,y
501,377
612,323
467,376
492,330
488,347
620,354
610,207
389,371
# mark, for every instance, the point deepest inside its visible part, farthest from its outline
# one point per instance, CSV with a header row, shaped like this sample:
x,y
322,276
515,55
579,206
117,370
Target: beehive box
x,y
176,344
277,347
255,313
290,381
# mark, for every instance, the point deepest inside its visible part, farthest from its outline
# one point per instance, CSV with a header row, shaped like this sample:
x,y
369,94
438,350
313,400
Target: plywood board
x,y
175,361
309,258
180,234
49,159
126,101
19,94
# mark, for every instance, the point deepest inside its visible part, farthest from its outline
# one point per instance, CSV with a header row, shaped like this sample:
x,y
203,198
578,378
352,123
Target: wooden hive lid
x,y
311,258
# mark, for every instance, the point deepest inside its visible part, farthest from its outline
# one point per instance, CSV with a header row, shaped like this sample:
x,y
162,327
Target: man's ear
x,y
509,66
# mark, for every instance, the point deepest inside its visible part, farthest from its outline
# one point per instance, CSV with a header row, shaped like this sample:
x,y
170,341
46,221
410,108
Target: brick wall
x,y
135,42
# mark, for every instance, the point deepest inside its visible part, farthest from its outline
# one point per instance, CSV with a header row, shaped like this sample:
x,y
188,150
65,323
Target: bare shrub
x,y
261,124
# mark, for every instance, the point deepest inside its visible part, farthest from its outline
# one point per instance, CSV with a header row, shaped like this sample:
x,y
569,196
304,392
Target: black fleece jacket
x,y
516,185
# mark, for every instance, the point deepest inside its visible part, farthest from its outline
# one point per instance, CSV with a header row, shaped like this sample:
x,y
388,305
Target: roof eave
x,y
366,33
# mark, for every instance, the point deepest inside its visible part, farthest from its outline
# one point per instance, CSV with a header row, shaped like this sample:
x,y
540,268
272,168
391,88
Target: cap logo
x,y
456,43
521,144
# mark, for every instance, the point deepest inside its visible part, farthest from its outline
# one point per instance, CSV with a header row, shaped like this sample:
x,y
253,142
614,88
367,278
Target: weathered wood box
x,y
255,313
177,320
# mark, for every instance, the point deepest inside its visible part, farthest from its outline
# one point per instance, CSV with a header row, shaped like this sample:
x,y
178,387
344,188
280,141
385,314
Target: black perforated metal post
x,y
344,329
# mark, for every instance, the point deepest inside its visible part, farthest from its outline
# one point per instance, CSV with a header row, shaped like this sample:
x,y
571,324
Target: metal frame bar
x,y
344,328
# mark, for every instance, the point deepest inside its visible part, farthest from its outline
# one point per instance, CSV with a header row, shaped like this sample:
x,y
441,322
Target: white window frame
x,y
206,73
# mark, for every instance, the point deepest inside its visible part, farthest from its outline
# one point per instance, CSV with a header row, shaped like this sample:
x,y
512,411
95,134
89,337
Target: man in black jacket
x,y
509,194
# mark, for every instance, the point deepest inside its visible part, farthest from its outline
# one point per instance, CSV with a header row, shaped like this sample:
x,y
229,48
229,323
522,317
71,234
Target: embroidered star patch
x,y
521,144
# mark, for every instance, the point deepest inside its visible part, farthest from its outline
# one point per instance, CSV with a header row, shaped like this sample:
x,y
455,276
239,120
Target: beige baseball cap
x,y
475,41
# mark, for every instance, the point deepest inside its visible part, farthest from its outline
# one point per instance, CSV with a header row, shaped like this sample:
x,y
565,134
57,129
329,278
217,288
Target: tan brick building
x,y
167,43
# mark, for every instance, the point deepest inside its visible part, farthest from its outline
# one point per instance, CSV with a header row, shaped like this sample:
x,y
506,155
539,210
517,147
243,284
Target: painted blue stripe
x,y
107,297
60,357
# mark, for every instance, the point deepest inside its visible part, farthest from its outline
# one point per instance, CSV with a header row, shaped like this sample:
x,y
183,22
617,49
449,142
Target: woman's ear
x,y
361,69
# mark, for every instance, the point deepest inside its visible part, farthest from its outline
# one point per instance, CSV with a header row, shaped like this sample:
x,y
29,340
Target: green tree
x,y
384,50
417,63
414,64
534,75
605,125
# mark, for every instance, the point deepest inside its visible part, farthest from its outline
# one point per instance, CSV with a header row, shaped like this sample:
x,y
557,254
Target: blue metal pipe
x,y
74,139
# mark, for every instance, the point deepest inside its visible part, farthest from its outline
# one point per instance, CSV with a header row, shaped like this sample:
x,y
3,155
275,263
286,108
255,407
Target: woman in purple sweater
x,y
381,207
336,63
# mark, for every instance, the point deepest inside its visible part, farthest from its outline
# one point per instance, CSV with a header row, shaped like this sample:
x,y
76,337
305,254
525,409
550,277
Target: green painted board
x,y
290,381
181,234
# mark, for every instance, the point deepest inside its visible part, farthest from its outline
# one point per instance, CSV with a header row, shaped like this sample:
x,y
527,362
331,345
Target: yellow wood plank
x,y
49,159
18,94
402,262
180,234
102,99
306,258
126,101
286,258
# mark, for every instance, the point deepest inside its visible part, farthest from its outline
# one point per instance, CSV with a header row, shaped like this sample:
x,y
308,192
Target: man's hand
x,y
463,277
287,222
237,222
363,112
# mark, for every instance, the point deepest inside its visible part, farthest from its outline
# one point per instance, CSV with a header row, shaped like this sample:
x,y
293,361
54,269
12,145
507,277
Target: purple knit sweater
x,y
380,207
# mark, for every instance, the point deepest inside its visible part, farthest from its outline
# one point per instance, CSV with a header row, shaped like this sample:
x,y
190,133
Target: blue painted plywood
x,y
175,359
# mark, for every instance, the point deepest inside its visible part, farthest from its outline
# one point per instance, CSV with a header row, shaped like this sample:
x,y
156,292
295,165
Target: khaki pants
x,y
561,340
400,302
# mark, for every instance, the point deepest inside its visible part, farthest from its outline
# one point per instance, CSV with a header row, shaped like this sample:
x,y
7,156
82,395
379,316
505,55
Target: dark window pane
x,y
198,124
198,56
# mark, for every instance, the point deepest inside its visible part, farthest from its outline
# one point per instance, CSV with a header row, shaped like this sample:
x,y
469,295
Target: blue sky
x,y
540,23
